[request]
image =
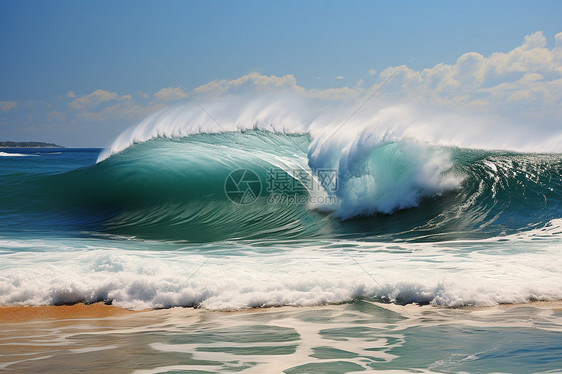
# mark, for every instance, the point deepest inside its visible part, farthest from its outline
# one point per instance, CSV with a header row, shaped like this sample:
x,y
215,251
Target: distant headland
x,y
28,145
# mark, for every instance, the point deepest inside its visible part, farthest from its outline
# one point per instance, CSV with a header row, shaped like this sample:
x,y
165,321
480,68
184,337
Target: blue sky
x,y
56,52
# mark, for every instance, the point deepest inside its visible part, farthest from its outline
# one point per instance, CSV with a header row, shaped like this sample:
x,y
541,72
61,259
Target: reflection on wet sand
x,y
336,338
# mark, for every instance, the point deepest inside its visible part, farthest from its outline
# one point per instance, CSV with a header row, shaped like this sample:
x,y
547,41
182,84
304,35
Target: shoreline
x,y
360,336
20,313
28,313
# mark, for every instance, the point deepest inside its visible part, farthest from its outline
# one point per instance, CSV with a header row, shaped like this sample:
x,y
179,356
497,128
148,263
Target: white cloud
x,y
525,82
95,98
527,76
339,77
102,105
143,94
256,83
171,94
7,105
253,82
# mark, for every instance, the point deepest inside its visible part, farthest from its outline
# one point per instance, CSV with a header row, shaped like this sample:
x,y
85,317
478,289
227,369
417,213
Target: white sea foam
x,y
384,121
379,177
511,269
9,154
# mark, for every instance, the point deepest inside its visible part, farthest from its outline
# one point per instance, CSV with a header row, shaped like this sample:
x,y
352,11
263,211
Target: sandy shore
x,y
11,314
14,314
55,339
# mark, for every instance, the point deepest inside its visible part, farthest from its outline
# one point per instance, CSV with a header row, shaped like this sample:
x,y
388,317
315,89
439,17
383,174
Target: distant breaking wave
x,y
9,154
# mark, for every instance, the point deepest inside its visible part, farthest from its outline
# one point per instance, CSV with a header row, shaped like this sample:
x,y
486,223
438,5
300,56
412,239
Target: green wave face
x,y
261,185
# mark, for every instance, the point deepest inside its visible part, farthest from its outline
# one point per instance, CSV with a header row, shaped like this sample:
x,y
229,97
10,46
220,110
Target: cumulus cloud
x,y
526,79
256,83
95,98
102,105
171,94
253,82
7,105
528,74
143,94
523,83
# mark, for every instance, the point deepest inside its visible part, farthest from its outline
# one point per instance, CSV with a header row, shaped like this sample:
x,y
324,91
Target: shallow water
x,y
343,338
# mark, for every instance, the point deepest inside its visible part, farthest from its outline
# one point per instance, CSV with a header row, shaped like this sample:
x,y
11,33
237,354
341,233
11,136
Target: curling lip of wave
x,y
387,122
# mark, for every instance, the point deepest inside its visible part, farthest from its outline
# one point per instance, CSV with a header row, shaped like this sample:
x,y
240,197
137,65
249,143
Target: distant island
x,y
28,145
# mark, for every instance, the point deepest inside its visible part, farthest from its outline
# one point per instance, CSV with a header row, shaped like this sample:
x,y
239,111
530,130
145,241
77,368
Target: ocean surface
x,y
382,253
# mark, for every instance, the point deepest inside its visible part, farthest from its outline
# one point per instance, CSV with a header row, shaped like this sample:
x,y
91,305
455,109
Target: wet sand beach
x,y
14,314
336,338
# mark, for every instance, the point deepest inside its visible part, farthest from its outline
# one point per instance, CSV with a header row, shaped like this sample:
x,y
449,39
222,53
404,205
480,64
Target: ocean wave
x,y
10,154
177,189
328,122
512,269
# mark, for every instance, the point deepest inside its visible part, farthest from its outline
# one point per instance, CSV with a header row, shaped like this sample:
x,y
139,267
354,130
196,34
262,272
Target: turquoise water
x,y
238,220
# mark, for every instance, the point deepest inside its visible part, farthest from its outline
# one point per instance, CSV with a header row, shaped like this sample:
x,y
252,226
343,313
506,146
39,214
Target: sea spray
x,y
322,119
